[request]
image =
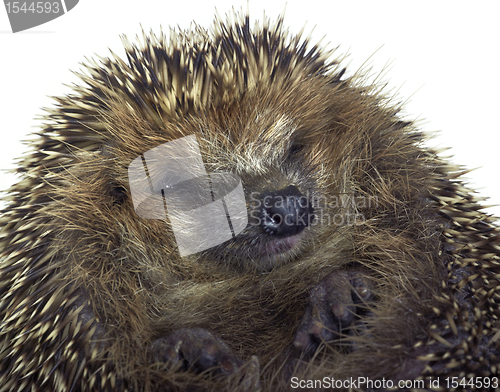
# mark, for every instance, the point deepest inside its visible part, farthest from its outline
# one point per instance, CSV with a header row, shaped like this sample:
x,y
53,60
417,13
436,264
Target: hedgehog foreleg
x,y
198,349
334,307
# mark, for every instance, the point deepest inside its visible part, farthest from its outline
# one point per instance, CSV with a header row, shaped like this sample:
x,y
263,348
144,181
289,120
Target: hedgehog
x,y
225,209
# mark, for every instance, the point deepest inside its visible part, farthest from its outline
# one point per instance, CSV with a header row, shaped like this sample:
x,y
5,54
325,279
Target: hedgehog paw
x,y
334,310
195,349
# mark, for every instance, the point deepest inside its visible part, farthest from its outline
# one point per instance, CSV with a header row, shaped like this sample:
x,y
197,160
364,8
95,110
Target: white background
x,y
441,57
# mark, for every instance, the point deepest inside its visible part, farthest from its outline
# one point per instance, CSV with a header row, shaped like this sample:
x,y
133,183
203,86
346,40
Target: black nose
x,y
285,212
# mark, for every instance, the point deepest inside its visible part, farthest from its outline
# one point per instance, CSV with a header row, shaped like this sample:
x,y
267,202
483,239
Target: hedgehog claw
x,y
198,349
334,310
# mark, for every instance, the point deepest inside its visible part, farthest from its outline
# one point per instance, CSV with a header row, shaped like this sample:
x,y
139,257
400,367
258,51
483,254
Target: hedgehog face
x,y
247,199
279,193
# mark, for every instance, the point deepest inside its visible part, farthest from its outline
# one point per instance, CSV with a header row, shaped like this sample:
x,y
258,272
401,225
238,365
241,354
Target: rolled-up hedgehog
x,y
226,210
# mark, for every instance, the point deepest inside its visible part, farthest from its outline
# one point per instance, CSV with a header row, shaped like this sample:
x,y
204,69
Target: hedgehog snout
x,y
285,212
